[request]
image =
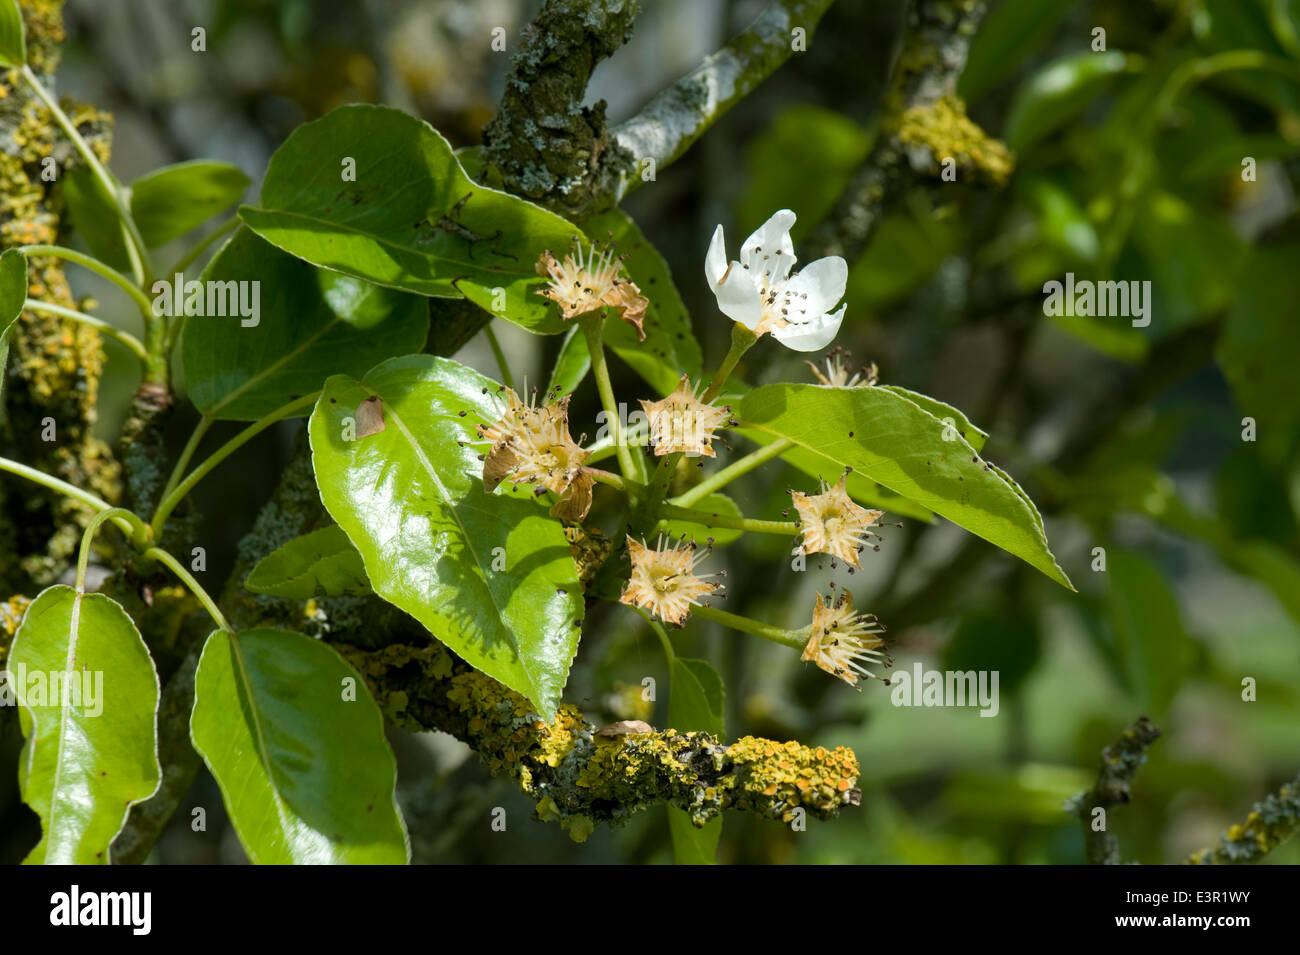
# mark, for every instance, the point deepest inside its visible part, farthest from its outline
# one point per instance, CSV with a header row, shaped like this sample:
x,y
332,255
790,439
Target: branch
x,y
580,778
1119,764
1269,824
924,124
677,116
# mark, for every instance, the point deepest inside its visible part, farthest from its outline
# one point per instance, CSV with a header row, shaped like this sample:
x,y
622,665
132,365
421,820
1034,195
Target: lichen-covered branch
x,y
924,129
579,778
52,383
544,142
1270,823
1119,764
677,116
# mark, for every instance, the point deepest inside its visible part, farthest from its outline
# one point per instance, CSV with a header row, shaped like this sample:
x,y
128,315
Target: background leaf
x,y
13,293
571,365
322,563
491,576
713,504
696,702
1058,93
82,770
411,220
670,348
306,773
169,202
889,439
313,324
95,217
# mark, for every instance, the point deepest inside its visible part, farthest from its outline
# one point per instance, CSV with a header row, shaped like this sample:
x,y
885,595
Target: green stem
x,y
111,331
83,553
673,512
732,471
1202,68
180,492
507,379
187,453
591,328
659,630
210,605
607,477
742,340
89,262
128,522
188,259
136,249
788,638
605,448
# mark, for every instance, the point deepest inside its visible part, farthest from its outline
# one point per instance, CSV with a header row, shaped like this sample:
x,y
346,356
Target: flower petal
x,y
816,289
738,297
813,335
715,261
769,251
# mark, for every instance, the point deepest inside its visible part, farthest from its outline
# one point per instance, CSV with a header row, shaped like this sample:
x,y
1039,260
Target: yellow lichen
x,y
944,130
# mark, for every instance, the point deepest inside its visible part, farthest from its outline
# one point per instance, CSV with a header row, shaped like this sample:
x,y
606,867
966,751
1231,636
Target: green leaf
x,y
169,202
801,161
322,563
96,217
1010,33
571,365
296,743
411,219
956,420
1153,648
670,349
312,324
13,44
889,439
13,293
695,704
84,764
491,576
716,504
1258,330
1058,93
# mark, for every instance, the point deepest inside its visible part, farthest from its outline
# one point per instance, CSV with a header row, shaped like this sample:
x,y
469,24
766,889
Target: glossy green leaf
x,y
322,563
490,575
1010,33
410,218
670,349
13,43
1058,93
716,504
696,702
955,419
13,293
312,324
91,744
571,365
95,217
296,743
169,202
889,439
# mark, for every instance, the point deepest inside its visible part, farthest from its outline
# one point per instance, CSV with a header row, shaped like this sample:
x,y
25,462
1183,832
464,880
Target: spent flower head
x,y
842,641
759,292
682,422
587,280
663,580
833,523
531,444
836,372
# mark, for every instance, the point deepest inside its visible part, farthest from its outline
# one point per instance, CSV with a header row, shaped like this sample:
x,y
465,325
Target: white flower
x,y
760,293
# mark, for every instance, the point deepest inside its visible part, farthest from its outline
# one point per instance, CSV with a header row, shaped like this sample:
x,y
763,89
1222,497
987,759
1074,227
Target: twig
x,y
1119,764
1270,823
